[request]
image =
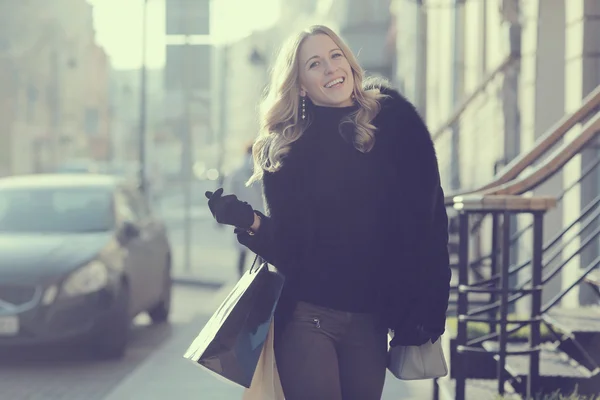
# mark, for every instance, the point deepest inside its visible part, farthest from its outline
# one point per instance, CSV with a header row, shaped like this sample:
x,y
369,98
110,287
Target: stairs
x,y
567,364
558,371
578,332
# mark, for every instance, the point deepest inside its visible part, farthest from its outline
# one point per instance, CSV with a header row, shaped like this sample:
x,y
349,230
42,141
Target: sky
x,y
119,26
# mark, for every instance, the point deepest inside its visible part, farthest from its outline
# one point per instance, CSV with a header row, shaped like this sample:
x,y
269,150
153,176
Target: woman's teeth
x,y
334,82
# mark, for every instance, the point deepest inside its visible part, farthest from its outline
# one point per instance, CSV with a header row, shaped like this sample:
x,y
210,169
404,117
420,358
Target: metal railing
x,y
501,215
547,260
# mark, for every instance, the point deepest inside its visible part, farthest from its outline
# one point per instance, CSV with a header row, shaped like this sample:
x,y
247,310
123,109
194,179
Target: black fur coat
x,y
416,280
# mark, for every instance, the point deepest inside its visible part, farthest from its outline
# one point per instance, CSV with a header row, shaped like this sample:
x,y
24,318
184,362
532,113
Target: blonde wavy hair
x,y
280,121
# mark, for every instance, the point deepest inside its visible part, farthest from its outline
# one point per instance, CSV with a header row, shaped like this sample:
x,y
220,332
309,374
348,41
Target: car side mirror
x,y
129,230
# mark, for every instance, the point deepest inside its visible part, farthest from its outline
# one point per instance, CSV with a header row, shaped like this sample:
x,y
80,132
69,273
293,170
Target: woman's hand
x,y
414,335
229,210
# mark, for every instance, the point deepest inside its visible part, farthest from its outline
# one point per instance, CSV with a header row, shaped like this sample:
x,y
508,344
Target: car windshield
x,y
56,210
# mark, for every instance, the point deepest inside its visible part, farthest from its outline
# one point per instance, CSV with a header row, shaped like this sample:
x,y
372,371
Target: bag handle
x,y
254,263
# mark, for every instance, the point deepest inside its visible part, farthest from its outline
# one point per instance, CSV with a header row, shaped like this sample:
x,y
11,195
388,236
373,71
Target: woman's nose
x,y
329,67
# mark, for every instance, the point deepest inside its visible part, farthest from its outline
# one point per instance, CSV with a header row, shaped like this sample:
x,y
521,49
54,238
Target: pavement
x,y
167,375
71,373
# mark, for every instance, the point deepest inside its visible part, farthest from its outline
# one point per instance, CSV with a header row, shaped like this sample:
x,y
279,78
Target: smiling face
x,y
325,74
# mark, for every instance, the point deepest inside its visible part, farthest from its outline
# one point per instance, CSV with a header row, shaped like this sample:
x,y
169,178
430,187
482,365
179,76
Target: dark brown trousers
x,y
325,354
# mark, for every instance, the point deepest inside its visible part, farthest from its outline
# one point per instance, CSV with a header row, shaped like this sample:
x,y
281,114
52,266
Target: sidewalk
x,y
167,375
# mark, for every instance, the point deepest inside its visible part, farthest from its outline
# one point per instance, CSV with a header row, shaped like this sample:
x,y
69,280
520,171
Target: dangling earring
x,y
303,108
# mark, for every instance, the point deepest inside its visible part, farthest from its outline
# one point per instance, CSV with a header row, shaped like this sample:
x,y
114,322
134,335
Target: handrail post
x,y
504,282
462,301
494,265
536,303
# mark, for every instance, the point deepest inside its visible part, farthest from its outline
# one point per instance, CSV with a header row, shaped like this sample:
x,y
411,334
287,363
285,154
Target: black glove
x,y
229,210
414,335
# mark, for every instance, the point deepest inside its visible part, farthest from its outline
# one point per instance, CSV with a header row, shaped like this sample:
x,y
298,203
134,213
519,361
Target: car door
x,y
156,250
136,258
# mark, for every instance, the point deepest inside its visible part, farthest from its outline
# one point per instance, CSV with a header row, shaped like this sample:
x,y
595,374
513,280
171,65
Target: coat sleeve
x,y
429,224
282,237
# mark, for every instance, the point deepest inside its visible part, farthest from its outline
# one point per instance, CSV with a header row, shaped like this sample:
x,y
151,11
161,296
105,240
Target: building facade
x,y
366,27
493,76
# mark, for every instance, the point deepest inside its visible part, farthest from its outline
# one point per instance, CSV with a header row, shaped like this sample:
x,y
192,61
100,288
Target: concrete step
x,y
475,389
557,371
575,320
578,332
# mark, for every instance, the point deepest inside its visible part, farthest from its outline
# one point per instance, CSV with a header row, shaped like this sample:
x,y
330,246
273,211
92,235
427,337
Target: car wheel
x,y
111,339
160,313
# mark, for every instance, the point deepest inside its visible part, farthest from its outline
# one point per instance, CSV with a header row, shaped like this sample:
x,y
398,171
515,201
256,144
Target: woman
x,y
355,221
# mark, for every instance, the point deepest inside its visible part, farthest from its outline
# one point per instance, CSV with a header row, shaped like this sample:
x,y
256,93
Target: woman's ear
x,y
302,93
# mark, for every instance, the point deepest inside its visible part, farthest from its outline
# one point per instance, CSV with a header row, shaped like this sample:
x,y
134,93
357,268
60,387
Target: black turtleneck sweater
x,y
340,226
346,187
341,190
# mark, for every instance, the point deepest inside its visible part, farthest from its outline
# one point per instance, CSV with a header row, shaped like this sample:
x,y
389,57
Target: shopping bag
x,y
426,361
231,342
265,383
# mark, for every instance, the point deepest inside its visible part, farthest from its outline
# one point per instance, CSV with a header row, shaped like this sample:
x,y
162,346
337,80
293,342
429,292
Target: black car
x,y
80,256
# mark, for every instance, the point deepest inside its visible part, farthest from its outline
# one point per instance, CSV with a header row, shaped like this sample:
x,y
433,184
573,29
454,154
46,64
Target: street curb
x,y
198,283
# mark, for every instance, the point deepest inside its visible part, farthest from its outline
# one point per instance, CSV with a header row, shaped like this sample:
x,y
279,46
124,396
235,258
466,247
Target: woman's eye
x,y
337,55
314,64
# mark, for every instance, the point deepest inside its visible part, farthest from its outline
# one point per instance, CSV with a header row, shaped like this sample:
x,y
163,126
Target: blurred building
x,y
97,114
125,91
241,72
186,138
125,111
366,27
54,86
